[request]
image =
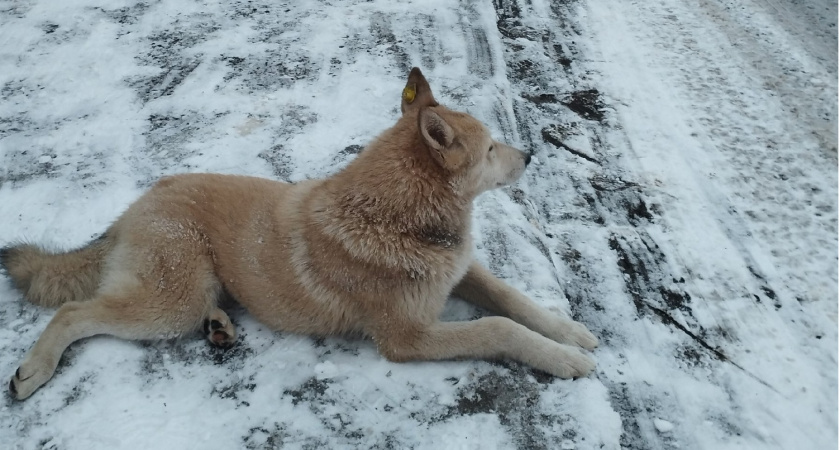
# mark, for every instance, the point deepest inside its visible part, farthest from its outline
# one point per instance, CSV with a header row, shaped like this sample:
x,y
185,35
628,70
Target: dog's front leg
x,y
481,288
485,338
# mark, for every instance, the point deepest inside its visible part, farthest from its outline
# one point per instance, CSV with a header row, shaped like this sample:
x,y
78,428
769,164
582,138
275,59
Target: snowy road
x,y
682,204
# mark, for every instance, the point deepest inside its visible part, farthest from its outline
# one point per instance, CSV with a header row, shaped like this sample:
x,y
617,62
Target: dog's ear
x,y
439,136
417,93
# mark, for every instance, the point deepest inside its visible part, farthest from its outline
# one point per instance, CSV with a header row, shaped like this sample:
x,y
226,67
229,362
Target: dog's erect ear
x,y
417,93
437,134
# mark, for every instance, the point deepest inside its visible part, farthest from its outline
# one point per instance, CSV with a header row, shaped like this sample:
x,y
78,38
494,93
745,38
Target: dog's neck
x,y
395,195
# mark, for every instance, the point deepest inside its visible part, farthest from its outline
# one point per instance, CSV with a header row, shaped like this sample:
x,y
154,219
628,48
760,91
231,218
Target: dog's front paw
x,y
575,364
560,360
31,375
567,331
581,336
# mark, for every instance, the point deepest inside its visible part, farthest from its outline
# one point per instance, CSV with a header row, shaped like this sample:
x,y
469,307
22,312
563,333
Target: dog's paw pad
x,y
220,334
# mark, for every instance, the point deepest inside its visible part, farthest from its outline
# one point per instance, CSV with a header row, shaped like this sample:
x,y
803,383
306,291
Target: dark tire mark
x,y
479,55
268,71
166,50
619,196
553,135
127,15
642,262
233,390
586,103
279,160
380,28
267,437
426,40
166,82
514,398
630,412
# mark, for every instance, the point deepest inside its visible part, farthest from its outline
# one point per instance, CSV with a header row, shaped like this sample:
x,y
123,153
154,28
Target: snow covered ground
x,y
682,204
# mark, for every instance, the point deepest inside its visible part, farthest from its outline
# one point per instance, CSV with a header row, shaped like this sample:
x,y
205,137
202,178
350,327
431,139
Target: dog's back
x,y
214,204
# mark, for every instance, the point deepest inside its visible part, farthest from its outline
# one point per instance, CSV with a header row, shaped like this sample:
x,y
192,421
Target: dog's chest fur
x,y
318,263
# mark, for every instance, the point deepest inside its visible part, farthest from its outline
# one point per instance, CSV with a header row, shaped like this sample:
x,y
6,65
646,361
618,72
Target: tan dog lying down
x,y
375,249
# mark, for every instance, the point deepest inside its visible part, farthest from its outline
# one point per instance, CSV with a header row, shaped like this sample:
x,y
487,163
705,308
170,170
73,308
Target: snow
x,y
663,426
682,203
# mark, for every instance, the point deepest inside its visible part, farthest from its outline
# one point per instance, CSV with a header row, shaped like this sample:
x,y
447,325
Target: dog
x,y
374,250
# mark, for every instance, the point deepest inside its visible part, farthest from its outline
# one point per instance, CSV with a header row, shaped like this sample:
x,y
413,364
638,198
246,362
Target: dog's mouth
x,y
512,177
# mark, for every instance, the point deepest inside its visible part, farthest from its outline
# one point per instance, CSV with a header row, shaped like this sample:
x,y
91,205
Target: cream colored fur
x,y
374,250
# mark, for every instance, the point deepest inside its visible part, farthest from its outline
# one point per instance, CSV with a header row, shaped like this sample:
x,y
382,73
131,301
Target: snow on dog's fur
x,y
374,250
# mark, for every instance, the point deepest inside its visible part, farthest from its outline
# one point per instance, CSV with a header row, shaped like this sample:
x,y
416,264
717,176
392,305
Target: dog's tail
x,y
51,279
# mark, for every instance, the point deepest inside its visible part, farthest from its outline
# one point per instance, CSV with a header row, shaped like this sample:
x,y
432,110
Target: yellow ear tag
x,y
409,93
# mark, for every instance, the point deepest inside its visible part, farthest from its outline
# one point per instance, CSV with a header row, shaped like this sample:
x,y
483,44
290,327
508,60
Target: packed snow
x,y
681,202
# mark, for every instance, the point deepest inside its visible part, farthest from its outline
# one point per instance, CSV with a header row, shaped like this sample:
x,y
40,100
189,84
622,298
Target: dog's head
x,y
459,143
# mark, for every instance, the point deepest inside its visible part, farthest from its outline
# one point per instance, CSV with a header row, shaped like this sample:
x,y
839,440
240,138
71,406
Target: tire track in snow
x,y
741,281
551,87
538,66
656,286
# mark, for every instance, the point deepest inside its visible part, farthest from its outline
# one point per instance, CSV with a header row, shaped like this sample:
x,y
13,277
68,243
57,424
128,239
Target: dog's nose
x,y
528,159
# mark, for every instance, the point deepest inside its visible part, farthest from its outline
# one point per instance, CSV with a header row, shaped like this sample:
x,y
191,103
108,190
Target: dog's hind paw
x,y
219,330
28,378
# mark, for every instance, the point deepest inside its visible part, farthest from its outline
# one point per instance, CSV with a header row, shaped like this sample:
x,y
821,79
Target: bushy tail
x,y
52,278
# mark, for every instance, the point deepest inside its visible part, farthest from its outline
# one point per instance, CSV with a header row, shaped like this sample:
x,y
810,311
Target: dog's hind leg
x,y
126,308
74,321
485,338
481,288
128,317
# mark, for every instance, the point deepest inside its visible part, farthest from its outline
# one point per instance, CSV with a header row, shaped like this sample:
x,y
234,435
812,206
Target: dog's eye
x,y
490,149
